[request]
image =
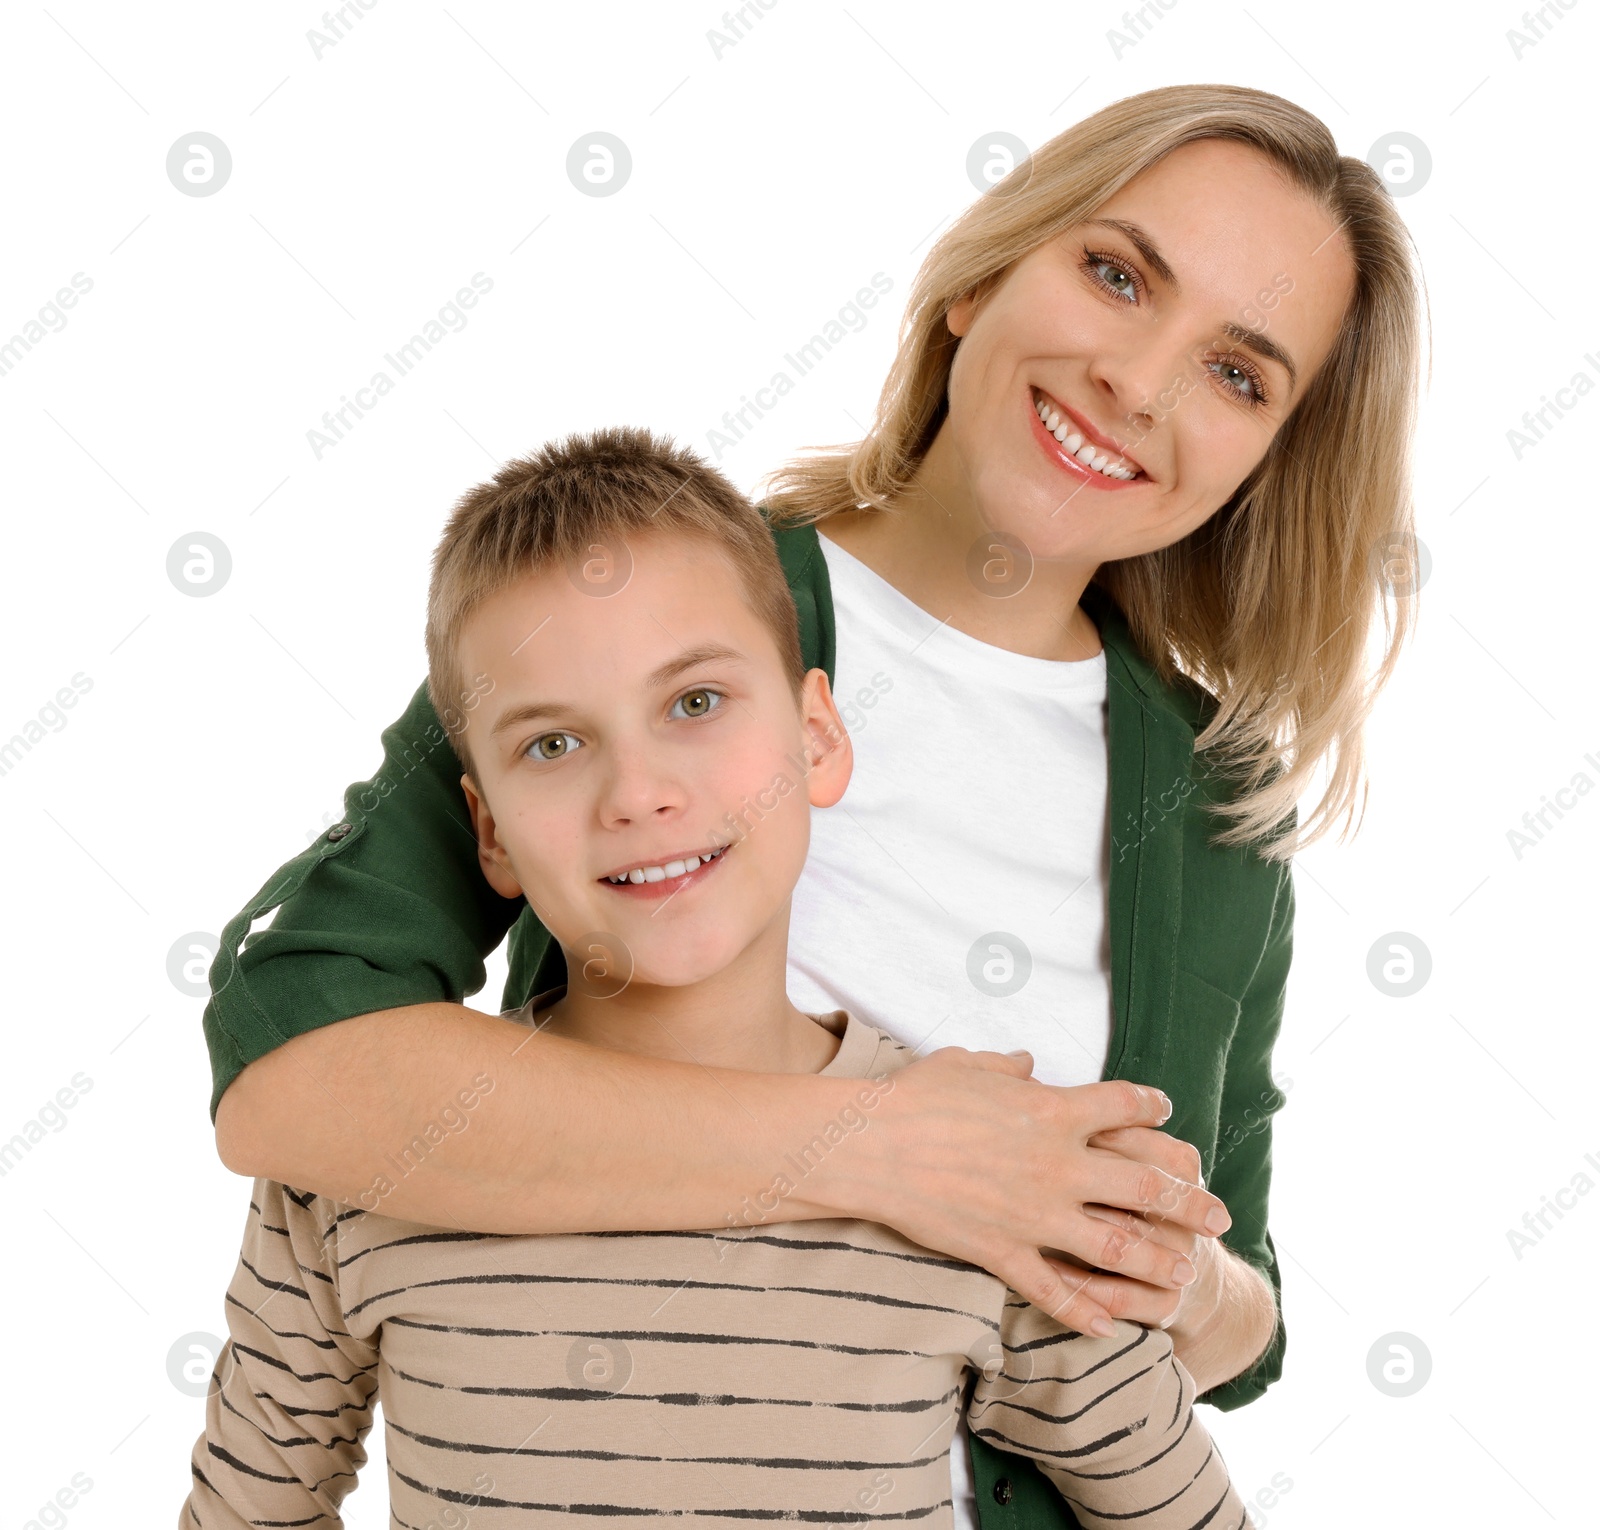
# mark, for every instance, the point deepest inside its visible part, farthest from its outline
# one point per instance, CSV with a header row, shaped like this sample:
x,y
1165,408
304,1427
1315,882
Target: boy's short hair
x,y
560,505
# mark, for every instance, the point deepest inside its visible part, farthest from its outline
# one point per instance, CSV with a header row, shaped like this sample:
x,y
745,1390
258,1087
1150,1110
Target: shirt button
x,y
1002,1490
338,831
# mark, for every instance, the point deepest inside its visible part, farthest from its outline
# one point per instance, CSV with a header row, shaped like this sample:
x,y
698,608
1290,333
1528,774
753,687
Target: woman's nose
x,y
1131,381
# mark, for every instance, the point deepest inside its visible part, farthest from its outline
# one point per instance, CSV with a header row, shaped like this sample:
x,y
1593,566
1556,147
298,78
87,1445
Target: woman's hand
x,y
970,1156
1223,1321
1137,1300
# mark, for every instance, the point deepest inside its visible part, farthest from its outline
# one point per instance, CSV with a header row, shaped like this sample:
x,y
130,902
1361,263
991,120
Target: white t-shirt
x,y
956,895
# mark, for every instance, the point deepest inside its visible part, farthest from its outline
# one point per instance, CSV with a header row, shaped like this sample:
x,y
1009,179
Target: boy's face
x,y
636,729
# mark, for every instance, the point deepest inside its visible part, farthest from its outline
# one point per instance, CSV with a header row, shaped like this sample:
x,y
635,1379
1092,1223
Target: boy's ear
x,y
491,853
827,741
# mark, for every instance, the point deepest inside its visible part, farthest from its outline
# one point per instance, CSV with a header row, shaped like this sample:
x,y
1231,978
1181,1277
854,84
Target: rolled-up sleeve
x,y
1241,1173
390,907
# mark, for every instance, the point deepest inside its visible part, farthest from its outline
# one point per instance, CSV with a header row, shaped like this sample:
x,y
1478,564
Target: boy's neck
x,y
740,1017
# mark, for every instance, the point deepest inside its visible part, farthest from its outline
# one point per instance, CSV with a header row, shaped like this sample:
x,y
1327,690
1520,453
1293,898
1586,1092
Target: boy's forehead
x,y
551,622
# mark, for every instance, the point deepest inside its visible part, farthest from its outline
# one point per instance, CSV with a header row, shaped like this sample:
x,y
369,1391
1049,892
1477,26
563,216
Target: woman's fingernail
x,y
1104,1327
1183,1272
1218,1220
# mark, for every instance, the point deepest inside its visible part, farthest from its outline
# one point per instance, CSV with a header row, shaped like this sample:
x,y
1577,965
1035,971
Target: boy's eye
x,y
698,703
553,746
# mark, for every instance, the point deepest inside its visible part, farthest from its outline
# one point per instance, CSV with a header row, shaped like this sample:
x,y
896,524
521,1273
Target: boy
x,y
612,644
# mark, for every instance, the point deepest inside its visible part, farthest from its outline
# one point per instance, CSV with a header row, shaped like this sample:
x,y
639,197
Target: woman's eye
x,y
1240,381
1109,274
553,746
696,703
1119,279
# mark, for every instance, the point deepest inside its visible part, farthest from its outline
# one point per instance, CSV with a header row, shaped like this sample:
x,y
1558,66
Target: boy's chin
x,y
671,962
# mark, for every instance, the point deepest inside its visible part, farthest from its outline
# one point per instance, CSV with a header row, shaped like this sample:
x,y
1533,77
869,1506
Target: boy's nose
x,y
639,787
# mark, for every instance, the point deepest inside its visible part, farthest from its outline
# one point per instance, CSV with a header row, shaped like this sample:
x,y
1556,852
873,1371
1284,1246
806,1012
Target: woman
x,y
1115,538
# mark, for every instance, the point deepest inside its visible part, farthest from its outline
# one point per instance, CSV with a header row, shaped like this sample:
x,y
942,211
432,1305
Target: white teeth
x,y
1087,454
662,873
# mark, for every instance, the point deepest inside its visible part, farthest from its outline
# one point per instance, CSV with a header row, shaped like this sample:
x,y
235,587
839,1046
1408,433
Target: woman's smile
x,y
1079,449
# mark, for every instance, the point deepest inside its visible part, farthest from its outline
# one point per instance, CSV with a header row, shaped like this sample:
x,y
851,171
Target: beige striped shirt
x,y
789,1370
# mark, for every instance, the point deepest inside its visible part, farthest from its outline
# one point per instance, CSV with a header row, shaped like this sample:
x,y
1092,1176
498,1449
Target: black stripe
x,y
609,1510
303,1439
775,1463
648,1283
670,1336
346,1261
1056,1420
224,1454
1167,1502
1128,1471
277,1332
1004,1442
674,1399
282,1365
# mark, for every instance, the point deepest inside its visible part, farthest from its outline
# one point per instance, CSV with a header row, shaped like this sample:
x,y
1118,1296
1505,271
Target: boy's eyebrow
x,y
704,653
529,711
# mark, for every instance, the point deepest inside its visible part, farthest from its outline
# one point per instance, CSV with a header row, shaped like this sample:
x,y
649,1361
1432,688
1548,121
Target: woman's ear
x,y
958,316
828,750
491,853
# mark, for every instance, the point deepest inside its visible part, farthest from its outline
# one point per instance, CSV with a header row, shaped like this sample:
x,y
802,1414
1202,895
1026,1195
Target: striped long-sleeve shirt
x,y
796,1369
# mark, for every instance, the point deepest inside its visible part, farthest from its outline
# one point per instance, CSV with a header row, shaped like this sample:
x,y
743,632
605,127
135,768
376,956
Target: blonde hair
x,y
1269,603
574,504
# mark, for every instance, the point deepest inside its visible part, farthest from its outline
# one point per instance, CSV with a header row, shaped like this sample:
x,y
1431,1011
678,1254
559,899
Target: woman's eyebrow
x,y
1145,245
1254,340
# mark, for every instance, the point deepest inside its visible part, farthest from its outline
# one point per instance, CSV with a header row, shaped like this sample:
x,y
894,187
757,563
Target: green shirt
x,y
391,908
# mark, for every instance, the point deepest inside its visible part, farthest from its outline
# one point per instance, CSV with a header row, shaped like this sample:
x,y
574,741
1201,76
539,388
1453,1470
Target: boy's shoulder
x,y
866,1051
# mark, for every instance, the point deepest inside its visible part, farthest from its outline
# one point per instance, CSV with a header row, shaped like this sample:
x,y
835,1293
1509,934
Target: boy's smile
x,y
669,876
647,775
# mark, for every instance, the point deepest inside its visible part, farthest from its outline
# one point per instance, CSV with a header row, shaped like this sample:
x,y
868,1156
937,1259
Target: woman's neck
x,y
922,545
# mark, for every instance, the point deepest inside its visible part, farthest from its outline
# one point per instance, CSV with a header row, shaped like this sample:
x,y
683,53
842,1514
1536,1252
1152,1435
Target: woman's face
x,y
1169,337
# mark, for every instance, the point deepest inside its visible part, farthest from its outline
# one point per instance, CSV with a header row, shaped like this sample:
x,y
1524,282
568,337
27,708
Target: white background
x,y
768,185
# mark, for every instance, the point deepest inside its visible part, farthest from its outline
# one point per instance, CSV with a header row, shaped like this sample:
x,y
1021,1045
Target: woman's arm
x,y
1241,1173
441,1114
1228,1317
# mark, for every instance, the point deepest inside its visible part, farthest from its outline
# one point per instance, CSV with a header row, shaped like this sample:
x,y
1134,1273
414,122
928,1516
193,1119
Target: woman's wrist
x,y
1227,1318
